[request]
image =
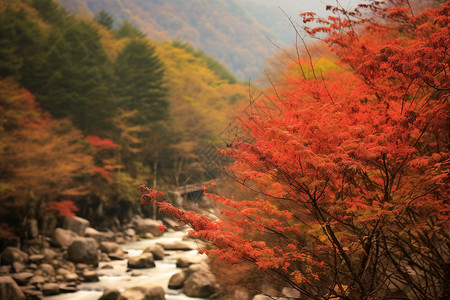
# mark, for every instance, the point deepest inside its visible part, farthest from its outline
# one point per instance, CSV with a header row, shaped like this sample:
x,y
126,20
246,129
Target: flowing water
x,y
118,277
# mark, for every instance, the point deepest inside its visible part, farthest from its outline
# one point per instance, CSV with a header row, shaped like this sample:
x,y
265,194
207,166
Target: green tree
x,y
50,11
20,44
105,19
144,110
126,29
76,76
140,82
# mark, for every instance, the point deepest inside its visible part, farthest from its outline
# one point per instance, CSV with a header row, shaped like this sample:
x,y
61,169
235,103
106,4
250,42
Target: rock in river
x,y
113,250
156,250
200,284
186,261
83,250
145,260
143,226
178,245
147,292
110,294
177,280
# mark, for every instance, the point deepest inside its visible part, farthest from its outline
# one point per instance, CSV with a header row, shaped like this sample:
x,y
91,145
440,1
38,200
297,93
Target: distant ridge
x,y
224,29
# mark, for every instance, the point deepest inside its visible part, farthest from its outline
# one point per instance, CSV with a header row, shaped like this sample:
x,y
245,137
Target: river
x,y
118,277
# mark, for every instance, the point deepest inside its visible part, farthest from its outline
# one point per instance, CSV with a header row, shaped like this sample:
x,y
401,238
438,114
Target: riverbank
x,y
116,274
80,262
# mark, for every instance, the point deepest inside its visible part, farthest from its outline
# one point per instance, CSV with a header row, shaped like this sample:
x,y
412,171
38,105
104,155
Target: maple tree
x,y
43,160
351,164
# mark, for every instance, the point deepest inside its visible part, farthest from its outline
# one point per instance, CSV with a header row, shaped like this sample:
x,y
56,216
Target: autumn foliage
x,y
350,163
41,162
65,208
101,144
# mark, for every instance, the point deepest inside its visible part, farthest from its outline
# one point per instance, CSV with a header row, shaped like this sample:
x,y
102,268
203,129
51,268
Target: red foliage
x,y
65,208
105,174
161,227
353,174
101,144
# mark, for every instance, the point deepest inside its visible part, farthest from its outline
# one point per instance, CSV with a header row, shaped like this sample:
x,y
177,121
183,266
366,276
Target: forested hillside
x,y
223,29
241,34
89,112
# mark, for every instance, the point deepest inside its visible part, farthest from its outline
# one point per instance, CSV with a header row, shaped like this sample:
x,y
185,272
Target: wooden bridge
x,y
191,192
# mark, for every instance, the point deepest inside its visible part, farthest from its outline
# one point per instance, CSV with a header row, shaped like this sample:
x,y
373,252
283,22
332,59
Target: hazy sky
x,y
294,7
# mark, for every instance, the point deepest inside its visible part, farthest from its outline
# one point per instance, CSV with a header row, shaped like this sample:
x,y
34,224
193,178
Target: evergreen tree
x,y
140,82
76,77
105,19
50,11
126,29
20,44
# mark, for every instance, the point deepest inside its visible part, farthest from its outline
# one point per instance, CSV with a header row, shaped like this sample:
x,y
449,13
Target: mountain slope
x,y
223,29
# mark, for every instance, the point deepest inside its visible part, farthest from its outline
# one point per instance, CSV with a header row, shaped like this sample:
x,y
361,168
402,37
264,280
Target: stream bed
x,y
118,277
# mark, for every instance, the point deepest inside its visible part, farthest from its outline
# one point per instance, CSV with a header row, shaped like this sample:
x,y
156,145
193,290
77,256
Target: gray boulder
x,y
130,232
147,292
47,269
9,289
18,266
49,289
186,261
36,258
49,254
83,250
109,247
66,275
13,254
71,277
90,276
179,245
200,284
100,236
62,271
156,250
110,294
142,226
145,260
37,280
22,278
113,250
63,237
76,224
177,280
198,267
116,256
